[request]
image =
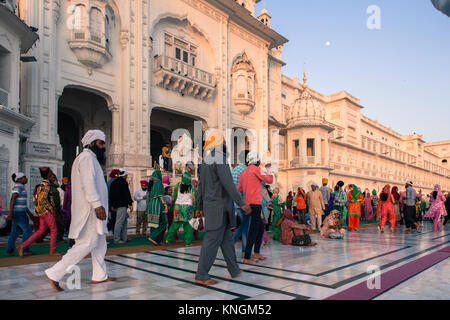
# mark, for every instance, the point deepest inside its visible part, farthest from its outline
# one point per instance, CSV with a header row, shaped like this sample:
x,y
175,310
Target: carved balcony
x,y
90,50
173,74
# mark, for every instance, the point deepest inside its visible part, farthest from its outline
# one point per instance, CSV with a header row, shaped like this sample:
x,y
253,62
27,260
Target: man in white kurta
x,y
89,207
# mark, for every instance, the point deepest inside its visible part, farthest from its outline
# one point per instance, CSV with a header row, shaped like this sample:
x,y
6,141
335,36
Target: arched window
x,y
97,25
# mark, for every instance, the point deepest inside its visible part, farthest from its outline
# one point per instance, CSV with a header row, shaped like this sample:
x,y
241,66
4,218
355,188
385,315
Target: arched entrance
x,y
80,110
162,124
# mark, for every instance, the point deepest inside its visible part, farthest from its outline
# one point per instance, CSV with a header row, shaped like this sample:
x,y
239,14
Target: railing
x,y
4,97
184,70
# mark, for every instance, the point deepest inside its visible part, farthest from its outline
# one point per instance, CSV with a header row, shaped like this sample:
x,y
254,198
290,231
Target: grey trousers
x,y
222,238
121,227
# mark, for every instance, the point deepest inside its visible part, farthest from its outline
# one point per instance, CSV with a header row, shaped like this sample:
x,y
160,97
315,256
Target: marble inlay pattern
x,y
288,273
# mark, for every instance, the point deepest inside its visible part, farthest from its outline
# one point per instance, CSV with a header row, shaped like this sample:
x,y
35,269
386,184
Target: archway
x,y
163,123
80,110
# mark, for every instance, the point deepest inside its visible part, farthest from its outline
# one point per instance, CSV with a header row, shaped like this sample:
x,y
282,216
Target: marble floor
x,y
288,273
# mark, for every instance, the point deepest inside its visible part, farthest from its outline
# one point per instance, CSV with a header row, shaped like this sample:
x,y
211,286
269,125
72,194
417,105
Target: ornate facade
x,y
138,69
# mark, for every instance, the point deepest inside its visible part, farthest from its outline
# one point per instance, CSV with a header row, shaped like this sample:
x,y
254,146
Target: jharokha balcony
x,y
173,74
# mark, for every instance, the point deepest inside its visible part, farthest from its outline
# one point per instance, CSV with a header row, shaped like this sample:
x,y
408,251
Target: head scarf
x,y
166,181
395,193
123,172
114,173
91,136
439,191
386,189
46,172
288,215
157,188
355,192
253,157
186,179
374,192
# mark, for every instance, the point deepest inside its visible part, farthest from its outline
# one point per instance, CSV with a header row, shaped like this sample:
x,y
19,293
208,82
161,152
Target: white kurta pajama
x,y
89,191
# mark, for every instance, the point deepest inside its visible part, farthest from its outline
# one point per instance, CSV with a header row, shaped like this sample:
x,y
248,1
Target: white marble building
x,y
138,69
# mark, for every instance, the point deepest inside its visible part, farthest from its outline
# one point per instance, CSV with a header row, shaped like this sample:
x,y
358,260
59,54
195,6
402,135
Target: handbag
x,y
300,241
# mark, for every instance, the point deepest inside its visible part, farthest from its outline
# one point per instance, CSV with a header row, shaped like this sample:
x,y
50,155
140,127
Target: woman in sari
x,y
331,227
437,208
398,216
386,211
276,223
368,206
355,198
155,209
289,227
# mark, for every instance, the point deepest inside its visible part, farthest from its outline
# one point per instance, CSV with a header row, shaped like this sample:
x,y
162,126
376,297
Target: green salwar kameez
x,y
276,231
182,214
155,209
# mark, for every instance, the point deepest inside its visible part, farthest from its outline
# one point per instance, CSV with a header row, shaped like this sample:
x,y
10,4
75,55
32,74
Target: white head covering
x,y
123,172
409,182
19,175
315,184
253,157
91,136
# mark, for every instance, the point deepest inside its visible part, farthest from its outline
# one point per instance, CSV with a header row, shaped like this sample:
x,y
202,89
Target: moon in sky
x,y
328,43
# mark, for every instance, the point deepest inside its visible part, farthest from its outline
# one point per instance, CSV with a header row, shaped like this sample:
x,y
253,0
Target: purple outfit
x,y
368,207
437,208
66,211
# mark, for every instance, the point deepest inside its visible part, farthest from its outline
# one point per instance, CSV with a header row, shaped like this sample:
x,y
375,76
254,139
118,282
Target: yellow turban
x,y
213,139
324,181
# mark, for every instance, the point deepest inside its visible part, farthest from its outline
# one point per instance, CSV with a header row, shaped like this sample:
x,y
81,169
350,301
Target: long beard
x,y
100,153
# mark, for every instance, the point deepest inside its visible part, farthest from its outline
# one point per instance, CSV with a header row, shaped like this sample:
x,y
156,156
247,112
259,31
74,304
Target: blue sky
x,y
401,73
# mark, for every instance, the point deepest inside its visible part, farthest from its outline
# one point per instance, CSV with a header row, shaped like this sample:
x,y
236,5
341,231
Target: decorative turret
x,y
264,17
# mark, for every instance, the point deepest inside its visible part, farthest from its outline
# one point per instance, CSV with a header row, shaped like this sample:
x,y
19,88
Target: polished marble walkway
x,y
288,273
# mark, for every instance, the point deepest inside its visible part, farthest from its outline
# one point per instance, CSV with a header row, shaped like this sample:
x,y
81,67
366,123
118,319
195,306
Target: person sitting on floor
x,y
331,227
289,228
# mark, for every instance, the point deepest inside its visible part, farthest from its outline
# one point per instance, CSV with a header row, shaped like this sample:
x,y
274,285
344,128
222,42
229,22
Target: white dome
x,y
306,108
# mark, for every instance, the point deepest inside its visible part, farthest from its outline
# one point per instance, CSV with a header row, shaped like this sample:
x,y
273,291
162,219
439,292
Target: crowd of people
x,y
230,206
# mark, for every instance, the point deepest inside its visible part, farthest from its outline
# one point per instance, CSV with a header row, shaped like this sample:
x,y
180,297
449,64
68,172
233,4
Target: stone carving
x,y
244,84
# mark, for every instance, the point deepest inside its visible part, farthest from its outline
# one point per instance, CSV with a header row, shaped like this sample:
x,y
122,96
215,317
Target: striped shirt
x,y
236,174
21,201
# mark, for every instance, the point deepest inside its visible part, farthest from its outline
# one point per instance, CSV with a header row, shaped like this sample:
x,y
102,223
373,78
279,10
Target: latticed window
x,y
97,25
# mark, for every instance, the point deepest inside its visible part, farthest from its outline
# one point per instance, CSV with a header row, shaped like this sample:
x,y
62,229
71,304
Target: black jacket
x,y
120,195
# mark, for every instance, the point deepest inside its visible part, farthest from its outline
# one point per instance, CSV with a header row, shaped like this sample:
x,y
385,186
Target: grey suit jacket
x,y
216,191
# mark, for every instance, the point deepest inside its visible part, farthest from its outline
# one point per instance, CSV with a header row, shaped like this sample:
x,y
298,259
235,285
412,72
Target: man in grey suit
x,y
215,195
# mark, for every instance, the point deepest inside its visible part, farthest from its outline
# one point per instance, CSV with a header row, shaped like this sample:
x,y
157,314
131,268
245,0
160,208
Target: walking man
x,y
242,230
216,192
89,212
410,208
141,212
251,184
120,202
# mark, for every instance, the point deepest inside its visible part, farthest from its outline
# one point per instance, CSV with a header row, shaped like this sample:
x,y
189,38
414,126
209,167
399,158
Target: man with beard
x,y
89,212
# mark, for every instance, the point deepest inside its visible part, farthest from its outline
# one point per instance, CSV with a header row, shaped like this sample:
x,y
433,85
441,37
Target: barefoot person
x,y
89,208
46,209
215,195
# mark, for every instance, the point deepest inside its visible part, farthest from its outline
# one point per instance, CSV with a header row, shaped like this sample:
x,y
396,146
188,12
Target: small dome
x,y
306,108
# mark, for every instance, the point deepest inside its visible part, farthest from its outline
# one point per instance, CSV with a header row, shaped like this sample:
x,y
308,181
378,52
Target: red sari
x,y
354,211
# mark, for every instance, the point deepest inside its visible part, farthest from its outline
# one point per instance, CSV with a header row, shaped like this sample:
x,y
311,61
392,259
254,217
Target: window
x,y
297,148
96,25
184,51
310,148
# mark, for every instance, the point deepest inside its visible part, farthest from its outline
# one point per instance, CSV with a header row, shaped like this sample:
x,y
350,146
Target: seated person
x,y
331,227
289,227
